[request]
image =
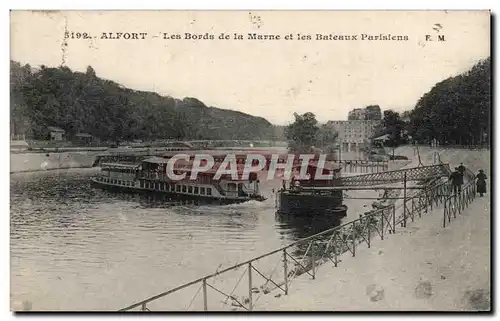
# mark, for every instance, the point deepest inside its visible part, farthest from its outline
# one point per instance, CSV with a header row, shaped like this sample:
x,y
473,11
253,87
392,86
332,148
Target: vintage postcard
x,y
250,161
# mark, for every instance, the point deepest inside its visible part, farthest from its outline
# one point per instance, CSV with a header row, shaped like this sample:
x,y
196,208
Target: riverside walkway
x,y
424,267
251,282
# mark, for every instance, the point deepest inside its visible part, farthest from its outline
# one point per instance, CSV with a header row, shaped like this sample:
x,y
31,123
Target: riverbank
x,y
31,162
423,267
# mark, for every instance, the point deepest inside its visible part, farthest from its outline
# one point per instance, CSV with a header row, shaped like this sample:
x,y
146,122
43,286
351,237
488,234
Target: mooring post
x,y
205,301
285,268
250,303
143,307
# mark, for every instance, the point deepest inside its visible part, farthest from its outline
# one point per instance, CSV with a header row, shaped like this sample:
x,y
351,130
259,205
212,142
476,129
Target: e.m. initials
x,y
433,38
437,27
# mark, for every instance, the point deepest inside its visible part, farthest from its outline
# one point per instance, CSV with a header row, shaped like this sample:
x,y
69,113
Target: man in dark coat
x,y
456,181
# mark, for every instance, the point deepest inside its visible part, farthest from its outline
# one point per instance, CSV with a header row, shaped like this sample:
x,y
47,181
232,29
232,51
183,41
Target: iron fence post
x,y
394,219
444,215
313,258
404,202
369,233
353,235
382,225
430,199
250,303
335,248
205,301
285,268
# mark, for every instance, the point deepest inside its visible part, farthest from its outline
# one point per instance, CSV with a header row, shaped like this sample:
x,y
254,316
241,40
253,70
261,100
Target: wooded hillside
x,y
82,102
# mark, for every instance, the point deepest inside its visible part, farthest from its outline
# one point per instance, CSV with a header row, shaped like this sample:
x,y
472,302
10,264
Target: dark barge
x,y
313,197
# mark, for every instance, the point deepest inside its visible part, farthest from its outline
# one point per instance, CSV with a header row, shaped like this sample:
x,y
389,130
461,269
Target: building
x,y
56,133
354,134
357,114
83,139
372,112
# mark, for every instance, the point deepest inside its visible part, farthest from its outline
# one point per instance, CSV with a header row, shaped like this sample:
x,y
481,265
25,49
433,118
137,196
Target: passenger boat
x,y
150,176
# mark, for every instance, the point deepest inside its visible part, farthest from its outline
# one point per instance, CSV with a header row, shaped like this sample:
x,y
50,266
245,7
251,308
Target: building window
x,y
209,191
184,188
177,188
142,184
196,189
202,190
190,189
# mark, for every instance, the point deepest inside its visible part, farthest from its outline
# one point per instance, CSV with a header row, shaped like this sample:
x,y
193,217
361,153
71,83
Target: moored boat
x,y
312,196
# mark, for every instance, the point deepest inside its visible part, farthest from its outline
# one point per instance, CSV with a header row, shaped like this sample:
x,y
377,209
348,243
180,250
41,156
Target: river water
x,y
78,248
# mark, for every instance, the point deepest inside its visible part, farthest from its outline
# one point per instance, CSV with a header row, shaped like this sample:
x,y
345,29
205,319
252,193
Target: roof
x,y
83,135
330,166
383,137
155,160
224,153
117,165
55,129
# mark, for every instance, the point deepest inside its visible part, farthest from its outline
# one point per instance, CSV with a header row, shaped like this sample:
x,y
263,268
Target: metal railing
x,y
304,256
456,146
457,202
300,257
362,166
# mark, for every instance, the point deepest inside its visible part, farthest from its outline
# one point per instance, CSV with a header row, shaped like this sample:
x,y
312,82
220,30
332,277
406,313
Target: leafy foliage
x,y
394,126
303,133
456,110
82,102
327,137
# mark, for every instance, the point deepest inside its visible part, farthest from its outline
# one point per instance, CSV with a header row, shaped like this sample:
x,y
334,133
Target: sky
x,y
268,78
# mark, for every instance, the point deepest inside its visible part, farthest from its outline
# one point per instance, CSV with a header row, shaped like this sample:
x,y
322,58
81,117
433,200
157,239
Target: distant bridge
x,y
420,173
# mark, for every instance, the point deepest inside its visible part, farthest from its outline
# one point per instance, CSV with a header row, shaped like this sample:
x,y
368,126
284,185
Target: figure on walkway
x,y
456,181
481,183
461,169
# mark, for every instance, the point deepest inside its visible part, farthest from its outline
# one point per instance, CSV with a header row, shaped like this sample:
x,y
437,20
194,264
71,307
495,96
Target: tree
x,y
327,136
302,134
82,102
373,112
394,126
456,110
90,71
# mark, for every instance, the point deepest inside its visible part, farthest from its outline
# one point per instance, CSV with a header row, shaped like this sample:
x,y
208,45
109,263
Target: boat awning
x,y
155,160
116,165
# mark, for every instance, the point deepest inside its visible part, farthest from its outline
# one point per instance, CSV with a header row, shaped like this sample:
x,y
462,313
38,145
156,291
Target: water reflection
x,y
302,226
69,240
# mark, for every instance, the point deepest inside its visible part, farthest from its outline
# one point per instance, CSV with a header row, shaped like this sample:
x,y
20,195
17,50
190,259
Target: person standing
x,y
461,169
456,181
481,183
